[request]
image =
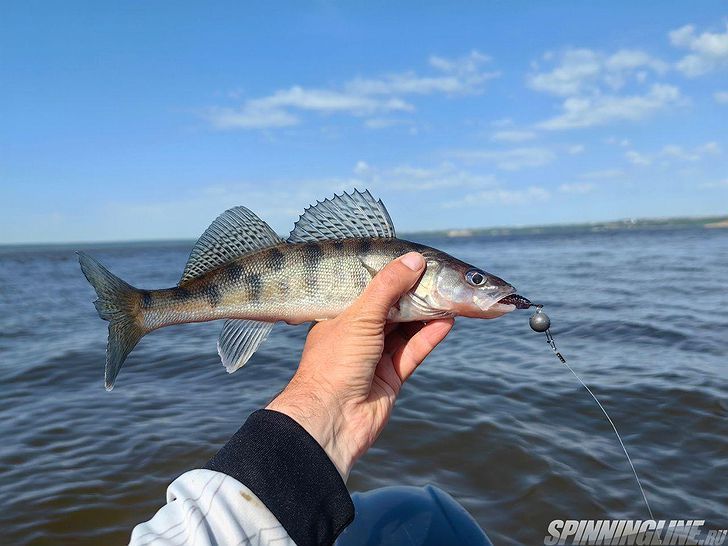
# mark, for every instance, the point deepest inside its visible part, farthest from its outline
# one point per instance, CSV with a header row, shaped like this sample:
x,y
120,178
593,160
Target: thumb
x,y
390,284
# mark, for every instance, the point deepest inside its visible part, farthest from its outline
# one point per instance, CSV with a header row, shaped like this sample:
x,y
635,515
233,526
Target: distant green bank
x,y
709,222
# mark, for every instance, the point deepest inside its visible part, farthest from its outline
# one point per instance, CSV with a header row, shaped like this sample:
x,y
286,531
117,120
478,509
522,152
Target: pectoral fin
x,y
371,270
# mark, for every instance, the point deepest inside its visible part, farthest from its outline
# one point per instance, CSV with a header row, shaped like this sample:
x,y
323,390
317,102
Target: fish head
x,y
461,289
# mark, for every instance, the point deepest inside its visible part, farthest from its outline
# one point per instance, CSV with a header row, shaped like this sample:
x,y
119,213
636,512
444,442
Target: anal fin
x,y
239,339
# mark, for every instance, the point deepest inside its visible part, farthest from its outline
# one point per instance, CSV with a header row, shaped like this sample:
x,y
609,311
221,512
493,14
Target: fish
x,y
240,271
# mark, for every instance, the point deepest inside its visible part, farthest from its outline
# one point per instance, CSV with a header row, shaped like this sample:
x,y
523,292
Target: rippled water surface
x,y
492,417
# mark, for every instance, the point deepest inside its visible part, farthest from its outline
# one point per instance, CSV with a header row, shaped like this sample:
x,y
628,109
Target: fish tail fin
x,y
119,303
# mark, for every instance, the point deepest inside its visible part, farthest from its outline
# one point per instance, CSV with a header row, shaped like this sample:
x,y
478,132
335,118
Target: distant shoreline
x,y
709,222
706,222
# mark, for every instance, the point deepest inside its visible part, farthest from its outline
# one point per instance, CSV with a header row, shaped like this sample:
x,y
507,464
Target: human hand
x,y
353,366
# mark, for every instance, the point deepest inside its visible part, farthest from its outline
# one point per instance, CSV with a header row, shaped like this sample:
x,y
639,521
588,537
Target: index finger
x,y
411,354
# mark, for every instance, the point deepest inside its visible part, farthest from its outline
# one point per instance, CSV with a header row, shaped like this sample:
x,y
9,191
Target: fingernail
x,y
413,260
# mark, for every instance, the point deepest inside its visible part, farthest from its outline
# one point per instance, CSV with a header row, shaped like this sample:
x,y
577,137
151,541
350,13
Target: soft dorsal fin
x,y
342,217
235,232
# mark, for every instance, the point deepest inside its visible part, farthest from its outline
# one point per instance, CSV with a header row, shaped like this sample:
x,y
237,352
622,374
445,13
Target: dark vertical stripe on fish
x,y
234,272
147,299
212,293
276,260
254,285
312,254
180,293
365,245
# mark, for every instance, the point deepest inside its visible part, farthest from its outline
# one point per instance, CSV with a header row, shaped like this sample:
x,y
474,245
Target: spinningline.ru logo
x,y
609,532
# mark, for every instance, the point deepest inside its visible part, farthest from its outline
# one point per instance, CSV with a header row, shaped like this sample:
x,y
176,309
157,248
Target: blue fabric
x,y
411,516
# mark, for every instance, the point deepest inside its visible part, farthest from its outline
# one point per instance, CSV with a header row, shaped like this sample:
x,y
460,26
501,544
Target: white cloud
x,y
709,50
361,167
602,174
249,118
585,71
384,123
696,154
358,97
513,159
714,185
630,59
501,196
721,97
637,158
275,110
674,152
577,187
589,111
709,148
514,135
469,64
577,67
409,178
502,123
623,142
598,88
456,76
324,100
576,149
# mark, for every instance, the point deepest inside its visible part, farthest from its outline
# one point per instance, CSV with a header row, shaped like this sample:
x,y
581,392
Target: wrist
x,y
322,419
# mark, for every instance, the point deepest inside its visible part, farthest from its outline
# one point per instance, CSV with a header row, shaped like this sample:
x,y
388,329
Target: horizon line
x,y
646,219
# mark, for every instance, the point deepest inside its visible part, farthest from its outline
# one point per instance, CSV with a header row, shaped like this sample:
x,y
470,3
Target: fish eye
x,y
475,277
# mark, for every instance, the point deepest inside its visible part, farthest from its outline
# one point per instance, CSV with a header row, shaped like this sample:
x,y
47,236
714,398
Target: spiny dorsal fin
x,y
342,217
235,232
239,339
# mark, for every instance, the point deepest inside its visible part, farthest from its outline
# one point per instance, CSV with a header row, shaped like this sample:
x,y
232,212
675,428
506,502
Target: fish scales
x,y
294,283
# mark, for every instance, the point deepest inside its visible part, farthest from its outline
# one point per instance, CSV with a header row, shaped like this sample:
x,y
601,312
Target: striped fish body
x,y
294,283
241,271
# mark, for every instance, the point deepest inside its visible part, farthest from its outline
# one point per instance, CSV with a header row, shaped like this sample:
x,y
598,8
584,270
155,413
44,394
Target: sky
x,y
145,120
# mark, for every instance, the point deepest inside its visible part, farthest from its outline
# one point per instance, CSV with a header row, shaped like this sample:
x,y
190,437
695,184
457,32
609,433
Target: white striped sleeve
x,y
207,508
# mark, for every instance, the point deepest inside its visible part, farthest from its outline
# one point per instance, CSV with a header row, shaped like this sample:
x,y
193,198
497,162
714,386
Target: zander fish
x,y
244,273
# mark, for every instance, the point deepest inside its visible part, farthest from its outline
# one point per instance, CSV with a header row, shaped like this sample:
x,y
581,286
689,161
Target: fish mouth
x,y
497,303
518,301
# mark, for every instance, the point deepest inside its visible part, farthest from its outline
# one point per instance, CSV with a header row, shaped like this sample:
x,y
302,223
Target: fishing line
x,y
540,322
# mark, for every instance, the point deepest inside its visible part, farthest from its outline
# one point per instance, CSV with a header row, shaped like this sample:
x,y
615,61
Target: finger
x,y
387,286
409,329
412,353
395,338
398,337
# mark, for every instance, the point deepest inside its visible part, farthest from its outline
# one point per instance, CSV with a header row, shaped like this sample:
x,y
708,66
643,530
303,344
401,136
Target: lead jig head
x,y
539,321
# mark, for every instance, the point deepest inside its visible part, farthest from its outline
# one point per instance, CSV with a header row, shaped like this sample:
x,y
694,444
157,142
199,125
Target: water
x,y
492,417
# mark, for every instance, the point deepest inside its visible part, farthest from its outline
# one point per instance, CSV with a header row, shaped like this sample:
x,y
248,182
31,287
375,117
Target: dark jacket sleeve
x,y
290,472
